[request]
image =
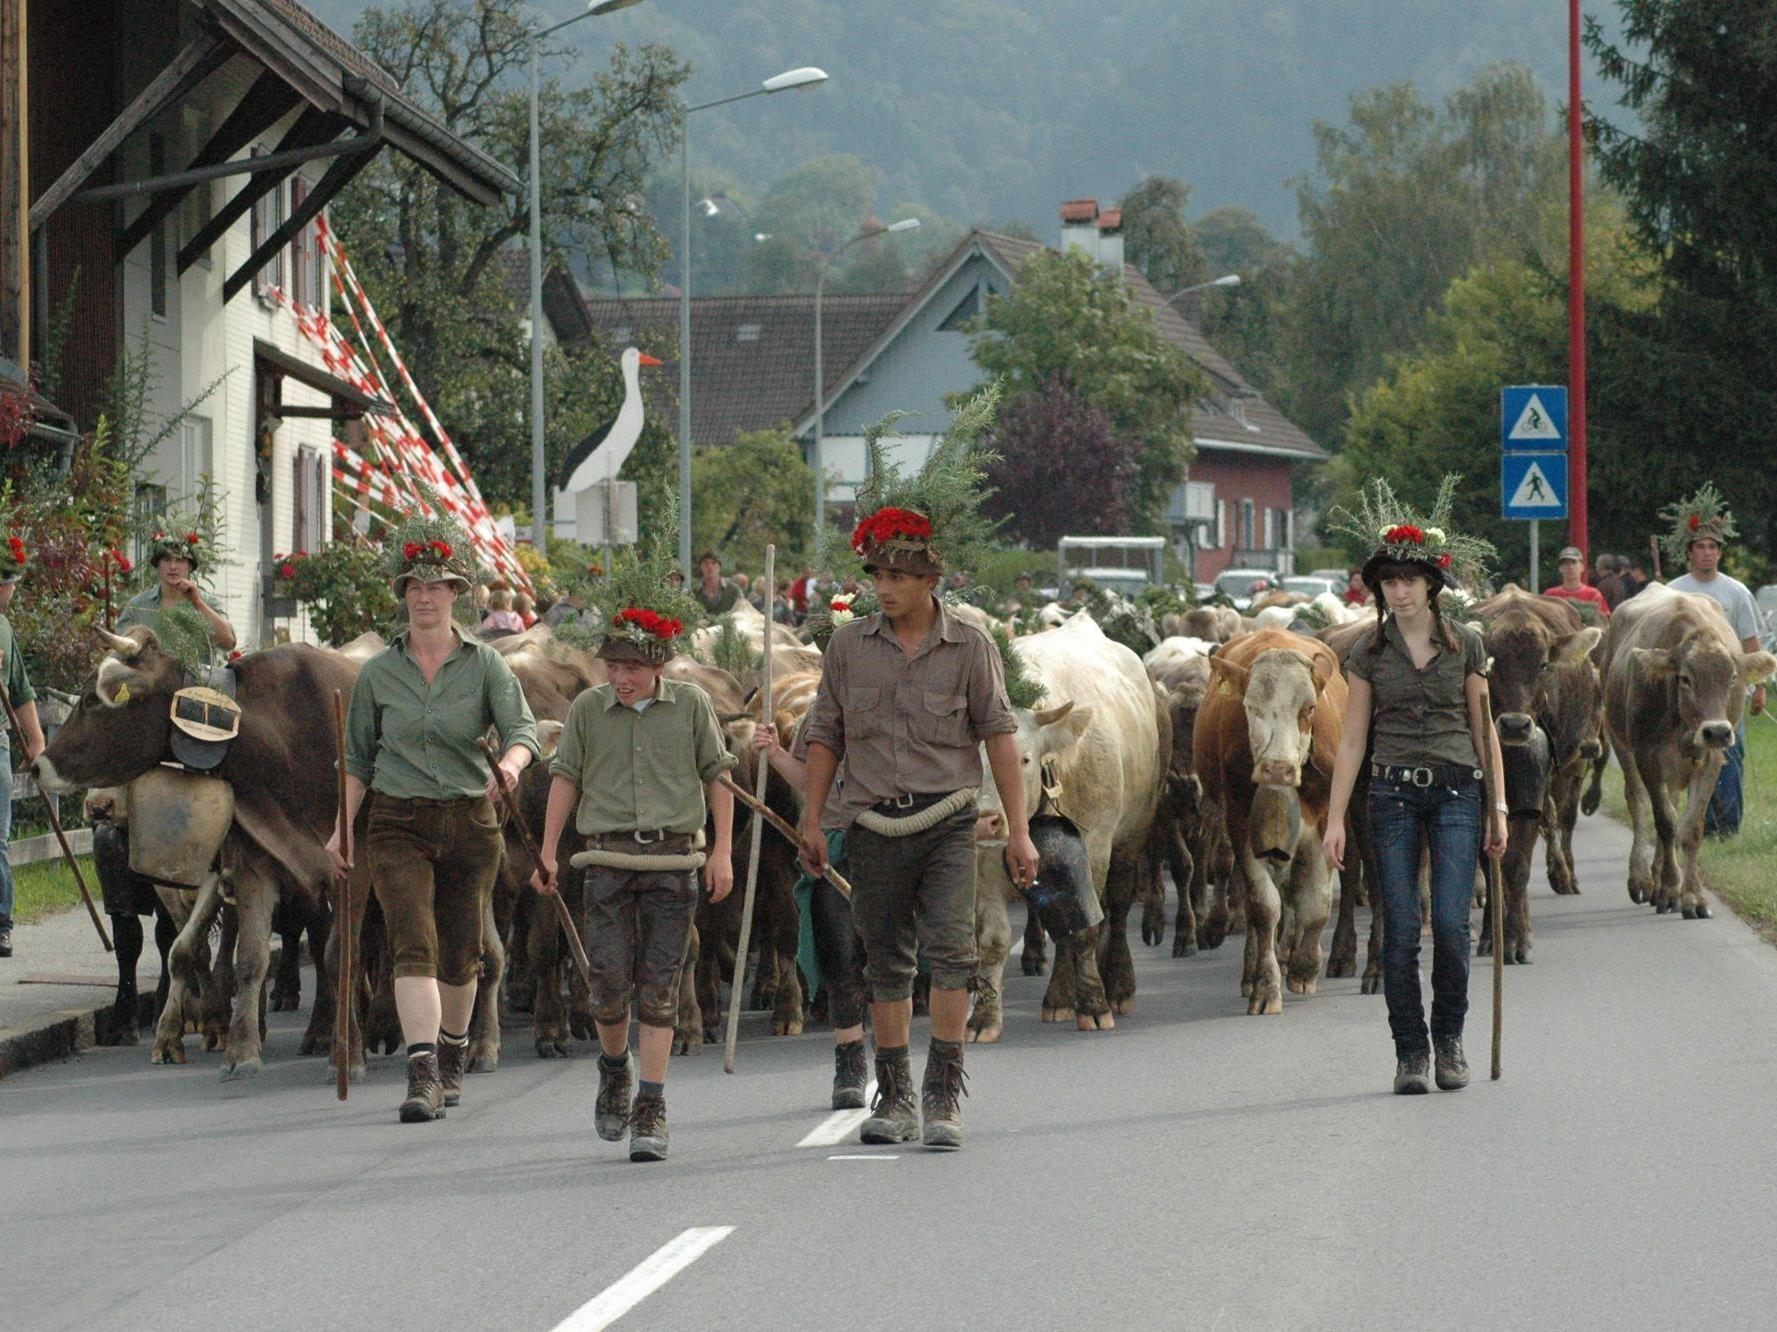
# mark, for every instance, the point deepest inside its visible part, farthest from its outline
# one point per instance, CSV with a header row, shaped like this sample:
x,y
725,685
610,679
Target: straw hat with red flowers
x,y
429,550
175,546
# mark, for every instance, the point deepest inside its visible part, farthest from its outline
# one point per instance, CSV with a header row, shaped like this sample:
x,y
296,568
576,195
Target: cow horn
x,y
1049,716
125,646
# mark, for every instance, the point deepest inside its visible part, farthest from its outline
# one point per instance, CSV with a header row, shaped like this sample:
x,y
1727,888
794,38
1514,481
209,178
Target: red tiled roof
x,y
1079,210
1110,220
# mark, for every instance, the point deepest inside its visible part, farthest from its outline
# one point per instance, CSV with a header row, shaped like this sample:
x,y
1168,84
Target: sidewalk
x,y
42,1015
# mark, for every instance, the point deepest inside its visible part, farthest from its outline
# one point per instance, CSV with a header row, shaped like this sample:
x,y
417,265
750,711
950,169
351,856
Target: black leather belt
x,y
1440,775
649,841
901,806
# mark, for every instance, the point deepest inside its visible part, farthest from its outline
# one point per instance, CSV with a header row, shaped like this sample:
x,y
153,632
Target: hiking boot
x,y
941,1096
1452,1067
647,1128
425,1091
5,941
1412,1074
850,1076
894,1115
453,1059
616,1082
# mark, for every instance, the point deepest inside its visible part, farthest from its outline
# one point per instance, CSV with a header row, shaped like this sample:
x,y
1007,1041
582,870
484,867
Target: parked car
x,y
1337,577
1240,586
1312,585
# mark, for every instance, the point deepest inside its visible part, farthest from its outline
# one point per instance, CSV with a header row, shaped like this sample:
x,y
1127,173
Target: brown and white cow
x,y
1674,689
1542,680
282,769
1265,742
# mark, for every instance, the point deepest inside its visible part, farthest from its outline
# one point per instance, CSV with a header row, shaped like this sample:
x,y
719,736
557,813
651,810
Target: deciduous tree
x,y
1047,433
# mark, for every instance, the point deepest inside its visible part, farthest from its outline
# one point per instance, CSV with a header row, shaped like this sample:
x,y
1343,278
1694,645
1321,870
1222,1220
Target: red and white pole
x,y
1576,291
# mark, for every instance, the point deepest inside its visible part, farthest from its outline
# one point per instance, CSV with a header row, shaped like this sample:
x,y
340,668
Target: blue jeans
x,y
5,831
1728,805
1404,818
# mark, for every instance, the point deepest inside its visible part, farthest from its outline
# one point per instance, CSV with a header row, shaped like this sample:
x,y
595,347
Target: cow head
x,y
1529,659
1707,679
1045,737
119,728
1278,693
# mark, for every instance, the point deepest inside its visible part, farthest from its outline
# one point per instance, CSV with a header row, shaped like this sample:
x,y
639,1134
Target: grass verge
x,y
1738,871
47,887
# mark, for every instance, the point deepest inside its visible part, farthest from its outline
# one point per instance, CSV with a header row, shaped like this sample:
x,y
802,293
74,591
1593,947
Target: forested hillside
x,y
994,110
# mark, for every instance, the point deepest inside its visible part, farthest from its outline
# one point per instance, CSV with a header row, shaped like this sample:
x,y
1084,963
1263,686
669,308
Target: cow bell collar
x,y
206,719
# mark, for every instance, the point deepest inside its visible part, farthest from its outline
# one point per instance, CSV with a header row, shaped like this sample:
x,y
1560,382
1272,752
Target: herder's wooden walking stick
x,y
746,906
784,826
342,956
1494,795
55,824
563,916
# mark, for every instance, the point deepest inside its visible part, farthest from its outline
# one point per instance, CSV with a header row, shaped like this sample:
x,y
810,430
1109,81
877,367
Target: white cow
x,y
750,625
1098,732
1181,661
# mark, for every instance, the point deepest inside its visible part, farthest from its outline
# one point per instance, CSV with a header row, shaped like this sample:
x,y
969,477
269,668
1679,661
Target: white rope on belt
x,y
635,860
930,817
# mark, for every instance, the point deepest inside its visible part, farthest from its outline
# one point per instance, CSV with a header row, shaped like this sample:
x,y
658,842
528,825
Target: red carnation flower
x,y
1696,522
412,550
888,525
286,571
1404,533
1443,561
839,603
442,549
191,538
235,655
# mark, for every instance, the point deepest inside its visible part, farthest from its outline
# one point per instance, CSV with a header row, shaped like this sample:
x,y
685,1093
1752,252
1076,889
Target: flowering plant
x,y
1401,534
890,525
639,619
840,608
18,548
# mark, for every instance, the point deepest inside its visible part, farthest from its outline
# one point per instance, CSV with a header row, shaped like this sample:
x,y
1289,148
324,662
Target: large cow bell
x,y
1526,773
177,823
1063,896
1274,825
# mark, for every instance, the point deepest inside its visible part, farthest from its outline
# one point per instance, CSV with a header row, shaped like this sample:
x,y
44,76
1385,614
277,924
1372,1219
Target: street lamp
x,y
539,489
1226,280
820,383
805,76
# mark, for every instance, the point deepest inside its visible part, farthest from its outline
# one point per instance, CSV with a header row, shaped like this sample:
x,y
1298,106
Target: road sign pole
x,y
1535,537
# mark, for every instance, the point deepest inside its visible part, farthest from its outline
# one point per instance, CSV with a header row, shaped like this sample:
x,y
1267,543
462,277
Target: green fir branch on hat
x,y
731,651
1702,516
1023,690
840,608
1388,526
638,577
426,534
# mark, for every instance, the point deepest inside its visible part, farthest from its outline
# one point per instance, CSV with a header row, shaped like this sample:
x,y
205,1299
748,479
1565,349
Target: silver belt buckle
x,y
904,801
1422,772
645,836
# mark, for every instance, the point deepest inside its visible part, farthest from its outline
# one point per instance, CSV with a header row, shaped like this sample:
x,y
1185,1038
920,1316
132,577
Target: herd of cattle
x,y
1209,759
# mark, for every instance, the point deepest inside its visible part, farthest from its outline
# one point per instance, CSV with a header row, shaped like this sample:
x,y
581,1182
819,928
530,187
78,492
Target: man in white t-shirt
x,y
1702,525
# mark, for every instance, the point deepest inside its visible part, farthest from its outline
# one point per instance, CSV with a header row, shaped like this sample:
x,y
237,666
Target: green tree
x,y
1247,323
1156,237
443,272
1068,318
751,492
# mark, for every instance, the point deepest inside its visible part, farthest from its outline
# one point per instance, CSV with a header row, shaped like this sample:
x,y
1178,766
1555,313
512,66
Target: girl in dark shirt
x,y
1420,679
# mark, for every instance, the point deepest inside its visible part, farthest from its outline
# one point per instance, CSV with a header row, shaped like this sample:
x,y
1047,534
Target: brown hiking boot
x,y
425,1090
647,1128
851,1075
941,1096
453,1059
1452,1067
612,1110
894,1116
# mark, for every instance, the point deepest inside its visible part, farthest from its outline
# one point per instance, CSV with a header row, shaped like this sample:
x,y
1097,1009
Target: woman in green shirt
x,y
413,742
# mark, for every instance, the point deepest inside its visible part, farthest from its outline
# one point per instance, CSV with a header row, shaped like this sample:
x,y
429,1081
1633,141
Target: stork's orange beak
x,y
645,359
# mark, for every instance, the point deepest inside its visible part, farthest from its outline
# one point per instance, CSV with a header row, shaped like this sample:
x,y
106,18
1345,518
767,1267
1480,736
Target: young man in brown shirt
x,y
907,696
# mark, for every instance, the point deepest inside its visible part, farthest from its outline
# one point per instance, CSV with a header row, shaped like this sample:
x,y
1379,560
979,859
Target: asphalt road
x,y
1194,1168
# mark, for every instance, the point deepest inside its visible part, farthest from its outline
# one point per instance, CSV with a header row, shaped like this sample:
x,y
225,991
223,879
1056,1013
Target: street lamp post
x,y
806,76
820,382
1226,280
539,472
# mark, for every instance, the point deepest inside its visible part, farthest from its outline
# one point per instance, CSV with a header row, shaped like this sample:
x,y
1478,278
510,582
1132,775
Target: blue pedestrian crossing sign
x,y
1533,485
1533,418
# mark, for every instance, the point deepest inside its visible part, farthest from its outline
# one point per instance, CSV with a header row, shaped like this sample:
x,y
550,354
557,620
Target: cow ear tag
x,y
1227,690
123,694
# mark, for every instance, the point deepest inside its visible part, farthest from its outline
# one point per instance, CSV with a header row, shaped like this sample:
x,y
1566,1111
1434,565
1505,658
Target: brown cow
x,y
1265,742
1674,689
1357,881
1542,679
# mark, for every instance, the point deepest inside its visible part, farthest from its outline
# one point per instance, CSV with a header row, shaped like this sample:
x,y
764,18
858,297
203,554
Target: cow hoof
x,y
1484,946
1031,964
1702,911
1520,955
1123,1007
1262,1005
1337,969
1302,986
122,1035
1246,989
1058,1015
166,1053
1095,1022
1371,985
487,1061
247,1068
580,1024
1637,895
1182,946
786,1026
687,1045
286,1003
986,1034
551,1049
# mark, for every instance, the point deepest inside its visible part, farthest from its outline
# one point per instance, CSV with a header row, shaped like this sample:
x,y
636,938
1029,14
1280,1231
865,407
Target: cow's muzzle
x,y
1590,751
1715,735
48,779
1515,728
1277,772
1274,825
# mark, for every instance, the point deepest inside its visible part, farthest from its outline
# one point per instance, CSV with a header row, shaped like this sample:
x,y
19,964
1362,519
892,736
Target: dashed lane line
x,y
839,1125
644,1279
866,1156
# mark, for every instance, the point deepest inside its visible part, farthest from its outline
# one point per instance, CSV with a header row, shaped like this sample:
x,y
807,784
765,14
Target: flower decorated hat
x,y
1702,517
13,558
181,546
897,540
1400,535
430,550
649,613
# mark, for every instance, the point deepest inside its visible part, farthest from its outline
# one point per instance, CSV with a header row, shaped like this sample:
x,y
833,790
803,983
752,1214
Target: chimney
x,y
1110,240
1079,227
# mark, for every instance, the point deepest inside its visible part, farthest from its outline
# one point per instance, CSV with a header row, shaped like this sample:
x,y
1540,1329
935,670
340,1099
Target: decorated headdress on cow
x,y
1399,534
1704,516
647,614
431,549
186,546
903,518
13,558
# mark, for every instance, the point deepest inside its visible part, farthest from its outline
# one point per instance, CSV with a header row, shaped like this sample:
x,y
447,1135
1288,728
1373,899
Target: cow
x,y
1265,743
1358,879
1542,681
1096,745
1179,661
1675,680
1217,624
282,770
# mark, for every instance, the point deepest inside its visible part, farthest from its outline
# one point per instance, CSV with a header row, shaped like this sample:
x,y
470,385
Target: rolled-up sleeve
x,y
713,757
361,729
826,719
506,703
990,713
570,750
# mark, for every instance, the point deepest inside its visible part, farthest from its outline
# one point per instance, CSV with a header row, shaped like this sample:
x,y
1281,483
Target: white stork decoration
x,y
607,456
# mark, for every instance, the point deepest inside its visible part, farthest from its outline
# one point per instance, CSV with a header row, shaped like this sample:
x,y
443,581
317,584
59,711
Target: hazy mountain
x,y
996,110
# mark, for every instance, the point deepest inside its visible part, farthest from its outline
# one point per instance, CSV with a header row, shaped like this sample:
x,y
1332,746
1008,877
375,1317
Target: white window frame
x,y
197,455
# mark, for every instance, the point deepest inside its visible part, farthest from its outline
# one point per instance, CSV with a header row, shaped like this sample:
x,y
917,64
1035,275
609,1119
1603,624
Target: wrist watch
x,y
1501,809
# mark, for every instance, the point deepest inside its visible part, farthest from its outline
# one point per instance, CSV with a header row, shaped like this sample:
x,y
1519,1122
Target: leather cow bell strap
x,y
206,719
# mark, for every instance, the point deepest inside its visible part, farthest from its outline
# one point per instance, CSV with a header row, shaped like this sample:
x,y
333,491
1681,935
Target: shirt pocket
x,y
864,713
944,720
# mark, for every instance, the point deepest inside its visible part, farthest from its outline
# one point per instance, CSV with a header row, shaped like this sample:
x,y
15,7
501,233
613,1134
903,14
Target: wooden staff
x,y
1494,794
562,914
342,960
49,808
784,826
764,774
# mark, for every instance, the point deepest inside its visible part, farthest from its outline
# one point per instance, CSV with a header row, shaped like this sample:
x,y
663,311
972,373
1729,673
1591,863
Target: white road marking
x,y
839,1125
644,1279
866,1156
